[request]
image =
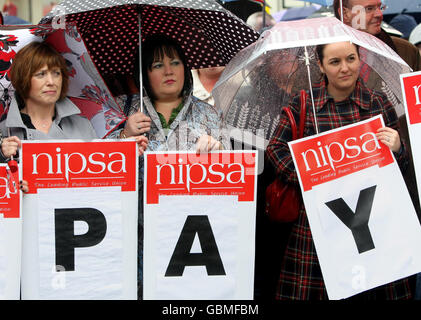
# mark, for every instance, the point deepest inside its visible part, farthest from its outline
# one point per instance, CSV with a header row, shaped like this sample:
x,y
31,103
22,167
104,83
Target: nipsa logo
x,y
340,152
79,164
191,174
337,153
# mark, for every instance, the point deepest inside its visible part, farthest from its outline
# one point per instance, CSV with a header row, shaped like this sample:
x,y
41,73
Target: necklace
x,y
45,123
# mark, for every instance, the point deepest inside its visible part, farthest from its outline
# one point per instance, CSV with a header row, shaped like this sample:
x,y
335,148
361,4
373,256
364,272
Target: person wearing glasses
x,y
373,17
373,11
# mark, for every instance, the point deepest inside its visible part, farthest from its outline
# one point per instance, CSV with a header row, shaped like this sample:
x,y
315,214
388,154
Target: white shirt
x,y
199,91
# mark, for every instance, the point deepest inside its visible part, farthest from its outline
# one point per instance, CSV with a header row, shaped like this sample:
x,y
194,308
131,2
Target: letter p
x,y
67,241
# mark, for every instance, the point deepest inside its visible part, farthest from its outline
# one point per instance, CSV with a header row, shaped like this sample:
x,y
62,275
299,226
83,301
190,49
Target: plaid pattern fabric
x,y
301,277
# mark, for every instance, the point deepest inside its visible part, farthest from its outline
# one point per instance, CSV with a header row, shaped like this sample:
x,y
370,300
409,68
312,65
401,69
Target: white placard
x,y
362,220
10,233
98,268
80,242
199,243
411,84
2,256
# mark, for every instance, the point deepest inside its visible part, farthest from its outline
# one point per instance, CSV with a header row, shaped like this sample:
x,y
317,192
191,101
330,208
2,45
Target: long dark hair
x,y
153,48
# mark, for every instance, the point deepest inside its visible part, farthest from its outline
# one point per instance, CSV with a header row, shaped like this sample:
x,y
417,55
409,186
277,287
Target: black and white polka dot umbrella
x,y
209,34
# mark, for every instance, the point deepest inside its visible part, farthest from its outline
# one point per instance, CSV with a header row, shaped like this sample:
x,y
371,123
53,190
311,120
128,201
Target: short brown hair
x,y
29,60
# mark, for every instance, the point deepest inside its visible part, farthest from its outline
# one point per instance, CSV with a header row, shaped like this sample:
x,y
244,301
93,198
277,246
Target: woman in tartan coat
x,y
340,99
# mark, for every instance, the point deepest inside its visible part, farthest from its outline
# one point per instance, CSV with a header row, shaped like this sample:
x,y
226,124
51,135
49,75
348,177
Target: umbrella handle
x,y
13,165
307,57
9,134
11,170
140,63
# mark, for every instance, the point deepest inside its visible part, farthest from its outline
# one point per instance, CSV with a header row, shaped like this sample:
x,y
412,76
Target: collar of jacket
x,y
187,101
322,96
64,108
386,38
198,88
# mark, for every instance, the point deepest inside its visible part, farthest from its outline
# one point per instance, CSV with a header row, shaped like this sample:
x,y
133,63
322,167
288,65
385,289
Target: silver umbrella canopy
x,y
263,77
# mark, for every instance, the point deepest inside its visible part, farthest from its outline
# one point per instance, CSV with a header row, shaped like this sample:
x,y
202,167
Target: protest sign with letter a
x,y
80,220
362,220
411,85
199,225
10,232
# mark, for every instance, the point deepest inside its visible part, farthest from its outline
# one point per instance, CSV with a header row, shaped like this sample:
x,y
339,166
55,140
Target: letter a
x,y
358,222
209,256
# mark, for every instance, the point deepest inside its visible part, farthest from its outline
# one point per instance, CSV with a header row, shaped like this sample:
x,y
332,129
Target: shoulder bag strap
x,y
291,121
303,113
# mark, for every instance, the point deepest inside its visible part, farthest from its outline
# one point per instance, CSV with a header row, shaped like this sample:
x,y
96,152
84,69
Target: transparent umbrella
x,y
262,78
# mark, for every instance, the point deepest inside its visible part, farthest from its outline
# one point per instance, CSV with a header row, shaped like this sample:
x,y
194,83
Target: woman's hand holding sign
x,y
390,138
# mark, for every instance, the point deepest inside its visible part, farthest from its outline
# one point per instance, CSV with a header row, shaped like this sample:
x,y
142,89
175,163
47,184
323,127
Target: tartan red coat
x,y
301,277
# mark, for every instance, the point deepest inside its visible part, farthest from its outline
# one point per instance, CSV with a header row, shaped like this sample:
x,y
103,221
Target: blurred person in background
x,y
47,8
203,82
9,8
373,19
415,37
255,20
404,23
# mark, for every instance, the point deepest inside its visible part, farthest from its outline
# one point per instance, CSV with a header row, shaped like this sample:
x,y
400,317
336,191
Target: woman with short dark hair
x,y
173,118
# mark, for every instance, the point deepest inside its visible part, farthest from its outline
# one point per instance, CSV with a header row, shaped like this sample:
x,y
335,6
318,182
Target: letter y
x,y
358,222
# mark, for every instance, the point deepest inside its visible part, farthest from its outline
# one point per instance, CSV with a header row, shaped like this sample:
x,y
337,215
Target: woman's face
x,y
341,65
46,86
166,78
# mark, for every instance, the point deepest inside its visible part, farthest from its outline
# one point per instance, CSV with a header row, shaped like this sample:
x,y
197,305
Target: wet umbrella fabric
x,y
262,78
209,34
